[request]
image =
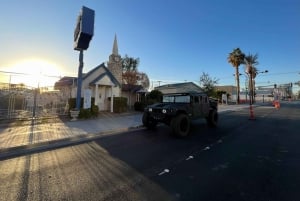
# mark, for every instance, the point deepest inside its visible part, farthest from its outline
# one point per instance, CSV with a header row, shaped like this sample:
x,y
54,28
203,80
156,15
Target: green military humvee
x,y
178,109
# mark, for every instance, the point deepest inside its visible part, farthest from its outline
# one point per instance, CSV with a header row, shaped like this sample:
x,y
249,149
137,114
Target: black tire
x,y
212,119
181,125
148,122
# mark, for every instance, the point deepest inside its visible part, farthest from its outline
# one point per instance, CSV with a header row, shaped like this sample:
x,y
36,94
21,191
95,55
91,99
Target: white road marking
x,y
206,148
189,158
164,172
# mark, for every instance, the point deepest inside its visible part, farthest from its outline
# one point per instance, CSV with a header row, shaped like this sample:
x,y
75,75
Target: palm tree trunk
x,y
237,74
253,90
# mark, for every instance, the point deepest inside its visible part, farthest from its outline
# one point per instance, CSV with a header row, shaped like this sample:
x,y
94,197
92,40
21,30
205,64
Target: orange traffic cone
x,y
251,113
277,105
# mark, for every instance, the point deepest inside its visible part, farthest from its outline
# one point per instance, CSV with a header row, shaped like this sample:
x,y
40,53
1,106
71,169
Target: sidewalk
x,y
57,132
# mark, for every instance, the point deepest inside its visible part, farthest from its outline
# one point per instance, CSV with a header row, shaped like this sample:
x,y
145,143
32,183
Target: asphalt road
x,y
240,160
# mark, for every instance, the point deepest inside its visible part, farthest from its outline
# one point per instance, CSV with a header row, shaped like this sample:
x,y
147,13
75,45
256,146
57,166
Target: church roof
x,y
65,81
106,73
68,81
131,88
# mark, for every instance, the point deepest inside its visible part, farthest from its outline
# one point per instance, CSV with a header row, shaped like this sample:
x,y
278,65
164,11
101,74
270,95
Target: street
x,y
242,159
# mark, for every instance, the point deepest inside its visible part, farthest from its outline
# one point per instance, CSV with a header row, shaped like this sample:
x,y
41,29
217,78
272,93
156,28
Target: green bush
x,y
154,96
94,110
84,113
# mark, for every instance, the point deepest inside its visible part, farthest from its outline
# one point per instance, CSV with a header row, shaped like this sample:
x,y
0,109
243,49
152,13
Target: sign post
x,y
83,34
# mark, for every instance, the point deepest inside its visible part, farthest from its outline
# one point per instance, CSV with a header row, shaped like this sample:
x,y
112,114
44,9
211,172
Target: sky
x,y
175,40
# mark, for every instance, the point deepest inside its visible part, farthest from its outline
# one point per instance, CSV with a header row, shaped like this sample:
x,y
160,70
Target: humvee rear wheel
x,y
148,122
212,119
181,125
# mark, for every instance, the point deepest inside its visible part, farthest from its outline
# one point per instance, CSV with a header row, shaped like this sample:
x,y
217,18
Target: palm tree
x,y
236,58
251,62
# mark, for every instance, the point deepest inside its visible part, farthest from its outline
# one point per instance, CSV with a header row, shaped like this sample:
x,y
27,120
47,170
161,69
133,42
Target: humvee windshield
x,y
176,99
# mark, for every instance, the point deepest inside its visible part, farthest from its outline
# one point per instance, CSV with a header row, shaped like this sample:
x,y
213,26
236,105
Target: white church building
x,y
103,83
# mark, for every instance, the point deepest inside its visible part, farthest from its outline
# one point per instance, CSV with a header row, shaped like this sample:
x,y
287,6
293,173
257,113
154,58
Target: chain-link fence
x,y
18,101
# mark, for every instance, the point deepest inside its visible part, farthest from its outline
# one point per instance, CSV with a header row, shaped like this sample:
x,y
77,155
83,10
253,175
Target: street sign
x,y
84,29
87,99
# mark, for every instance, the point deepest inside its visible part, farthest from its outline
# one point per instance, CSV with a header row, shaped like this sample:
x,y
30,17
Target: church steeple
x,y
115,62
115,50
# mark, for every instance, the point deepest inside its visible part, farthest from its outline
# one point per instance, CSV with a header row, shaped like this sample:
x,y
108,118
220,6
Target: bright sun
x,y
35,72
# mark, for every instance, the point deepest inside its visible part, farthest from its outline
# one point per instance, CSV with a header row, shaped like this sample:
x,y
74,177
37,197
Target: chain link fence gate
x,y
18,102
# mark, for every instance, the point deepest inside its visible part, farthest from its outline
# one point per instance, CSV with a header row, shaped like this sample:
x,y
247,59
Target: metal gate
x,y
20,102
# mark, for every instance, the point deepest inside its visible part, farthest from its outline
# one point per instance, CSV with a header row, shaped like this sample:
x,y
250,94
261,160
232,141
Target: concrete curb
x,y
23,150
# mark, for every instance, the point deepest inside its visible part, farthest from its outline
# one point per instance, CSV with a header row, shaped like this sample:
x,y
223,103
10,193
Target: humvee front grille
x,y
154,110
158,116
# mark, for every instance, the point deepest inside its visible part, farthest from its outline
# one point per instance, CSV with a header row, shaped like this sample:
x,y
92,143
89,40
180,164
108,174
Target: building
x,y
134,93
261,94
103,83
229,89
179,88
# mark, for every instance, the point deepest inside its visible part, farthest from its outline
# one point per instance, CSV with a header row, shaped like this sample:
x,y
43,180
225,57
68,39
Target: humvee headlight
x,y
150,110
164,111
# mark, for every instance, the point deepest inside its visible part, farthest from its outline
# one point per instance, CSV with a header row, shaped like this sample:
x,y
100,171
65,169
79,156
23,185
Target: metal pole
x,y
251,89
79,80
9,82
34,103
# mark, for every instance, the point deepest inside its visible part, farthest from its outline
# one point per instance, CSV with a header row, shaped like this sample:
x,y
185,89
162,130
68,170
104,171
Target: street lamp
x,y
252,75
249,72
253,82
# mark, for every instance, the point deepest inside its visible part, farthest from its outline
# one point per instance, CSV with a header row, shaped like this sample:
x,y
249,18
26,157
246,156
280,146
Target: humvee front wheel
x,y
148,122
181,125
212,119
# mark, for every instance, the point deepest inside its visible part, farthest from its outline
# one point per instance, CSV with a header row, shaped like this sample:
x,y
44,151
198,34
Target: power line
x,y
17,73
282,73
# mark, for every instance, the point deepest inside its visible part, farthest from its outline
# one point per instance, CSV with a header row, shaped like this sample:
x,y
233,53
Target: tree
x,y
236,58
250,62
207,84
144,80
218,95
130,69
154,96
129,74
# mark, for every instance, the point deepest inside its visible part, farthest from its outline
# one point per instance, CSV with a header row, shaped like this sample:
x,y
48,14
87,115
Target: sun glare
x,y
34,73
